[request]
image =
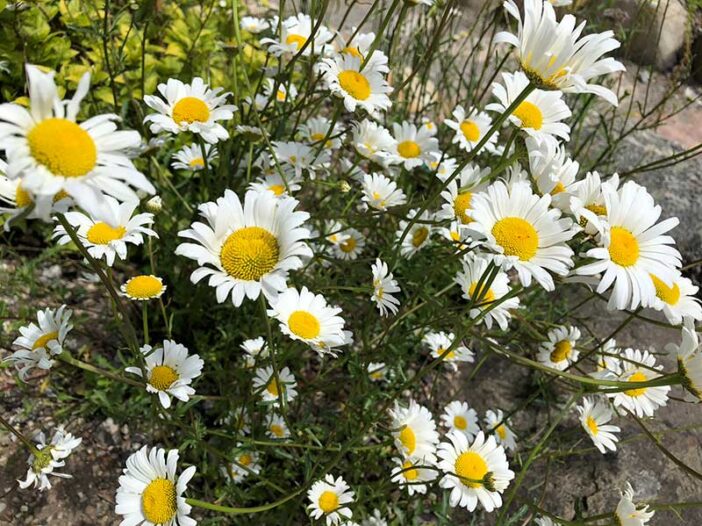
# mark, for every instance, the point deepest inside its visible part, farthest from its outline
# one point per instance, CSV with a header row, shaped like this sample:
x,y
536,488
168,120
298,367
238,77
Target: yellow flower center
x,y
671,295
63,147
470,131
245,460
592,425
410,474
530,115
143,287
190,109
274,388
162,377
277,430
562,351
638,376
44,339
277,189
489,296
419,236
623,247
280,95
296,39
501,431
353,51
102,233
517,237
558,189
197,164
355,84
598,210
249,253
61,194
409,149
459,422
348,245
470,465
328,501
22,197
159,502
460,204
304,324
408,439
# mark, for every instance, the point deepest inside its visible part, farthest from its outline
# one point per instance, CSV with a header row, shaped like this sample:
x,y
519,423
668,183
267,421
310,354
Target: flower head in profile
x,y
594,415
150,491
48,457
381,193
679,301
52,153
193,107
254,349
414,431
587,202
470,128
253,25
279,185
559,352
553,171
284,91
384,286
372,141
329,499
630,514
295,34
190,157
413,475
640,366
143,288
689,355
443,347
460,418
496,423
298,157
459,193
272,389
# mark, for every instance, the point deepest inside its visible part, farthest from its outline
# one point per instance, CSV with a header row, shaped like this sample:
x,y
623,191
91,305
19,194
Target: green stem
x,y
66,358
28,443
242,511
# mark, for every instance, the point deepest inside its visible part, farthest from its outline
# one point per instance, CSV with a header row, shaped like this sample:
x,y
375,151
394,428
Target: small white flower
x,y
594,415
628,513
587,202
640,366
377,371
372,141
50,456
471,127
414,431
679,301
283,92
382,193
253,24
276,427
190,157
254,348
413,147
418,234
350,245
245,463
440,342
330,498
689,355
458,195
553,171
559,351
496,423
316,129
299,156
384,286
460,418
295,31
271,391
413,475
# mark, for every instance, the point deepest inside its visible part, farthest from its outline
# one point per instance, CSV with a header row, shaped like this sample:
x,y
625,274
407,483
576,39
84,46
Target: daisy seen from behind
x,y
48,457
689,357
384,288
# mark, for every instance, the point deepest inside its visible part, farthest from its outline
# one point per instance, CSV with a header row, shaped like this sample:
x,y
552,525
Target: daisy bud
x,y
155,204
345,187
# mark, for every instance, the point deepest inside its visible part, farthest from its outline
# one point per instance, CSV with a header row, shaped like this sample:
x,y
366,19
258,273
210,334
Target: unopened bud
x,y
155,204
345,187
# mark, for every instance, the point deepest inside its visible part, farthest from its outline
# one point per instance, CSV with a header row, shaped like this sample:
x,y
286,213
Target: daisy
x,y
48,457
272,391
587,201
316,129
640,366
245,463
336,232
190,157
306,317
143,288
457,235
377,371
253,24
384,286
594,415
495,422
283,93
632,247
278,185
440,342
375,520
689,355
295,31
107,229
169,371
413,147
677,302
544,521
38,343
458,195
358,88
382,193
52,153
443,166
526,234
628,513
330,499
248,248
460,418
475,268
418,235
553,171
359,45
372,141
414,431
428,126
539,115
552,53
413,475
150,492
470,128
299,157
474,472
559,351
276,427
238,421
351,246
254,348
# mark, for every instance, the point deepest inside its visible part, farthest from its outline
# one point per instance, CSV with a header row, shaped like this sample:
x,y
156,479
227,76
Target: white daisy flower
x,y
190,157
384,286
413,147
315,129
247,249
608,365
443,166
470,128
295,31
254,348
677,302
553,54
306,317
49,457
245,463
190,107
278,185
38,343
381,193
51,152
272,391
587,201
143,288
358,88
414,431
456,234
594,415
238,421
640,366
299,157
372,141
553,171
632,247
495,423
330,498
413,475
418,235
351,244
284,92
630,514
689,355
559,351
539,115
460,418
276,427
526,234
476,472
336,232
253,25
474,268
458,195
439,342
169,371
375,520
544,521
359,45
150,492
377,371
107,229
